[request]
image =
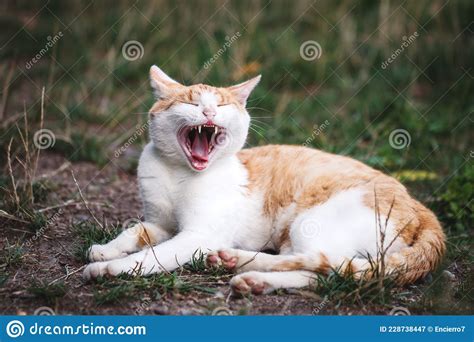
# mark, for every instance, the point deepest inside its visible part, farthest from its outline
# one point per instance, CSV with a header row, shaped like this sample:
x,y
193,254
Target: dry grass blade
x,y
12,177
6,89
85,202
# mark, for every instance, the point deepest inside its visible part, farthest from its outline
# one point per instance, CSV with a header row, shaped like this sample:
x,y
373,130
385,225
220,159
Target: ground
x,y
387,83
48,272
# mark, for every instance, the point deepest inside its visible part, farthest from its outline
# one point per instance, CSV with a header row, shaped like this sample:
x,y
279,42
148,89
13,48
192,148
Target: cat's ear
x,y
242,91
161,83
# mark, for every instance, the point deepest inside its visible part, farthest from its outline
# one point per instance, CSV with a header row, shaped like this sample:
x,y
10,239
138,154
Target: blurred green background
x,y
95,98
346,100
94,94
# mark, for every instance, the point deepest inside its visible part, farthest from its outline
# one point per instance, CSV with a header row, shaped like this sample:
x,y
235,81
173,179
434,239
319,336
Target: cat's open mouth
x,y
199,143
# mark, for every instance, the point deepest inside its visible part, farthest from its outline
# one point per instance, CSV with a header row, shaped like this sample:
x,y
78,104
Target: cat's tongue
x,y
200,147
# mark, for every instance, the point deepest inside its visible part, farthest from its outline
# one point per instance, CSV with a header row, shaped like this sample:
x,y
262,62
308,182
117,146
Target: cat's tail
x,y
424,254
413,262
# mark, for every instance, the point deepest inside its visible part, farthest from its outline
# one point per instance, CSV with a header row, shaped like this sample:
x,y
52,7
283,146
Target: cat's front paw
x,y
225,257
104,253
94,270
131,265
249,282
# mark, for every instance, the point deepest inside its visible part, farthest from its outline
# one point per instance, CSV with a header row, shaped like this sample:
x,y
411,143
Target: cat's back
x,y
289,161
303,176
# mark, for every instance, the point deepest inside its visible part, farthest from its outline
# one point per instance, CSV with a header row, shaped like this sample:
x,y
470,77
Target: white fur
x,y
187,210
342,227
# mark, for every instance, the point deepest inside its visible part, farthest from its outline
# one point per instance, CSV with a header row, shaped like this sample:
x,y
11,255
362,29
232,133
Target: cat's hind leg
x,y
143,234
265,282
242,261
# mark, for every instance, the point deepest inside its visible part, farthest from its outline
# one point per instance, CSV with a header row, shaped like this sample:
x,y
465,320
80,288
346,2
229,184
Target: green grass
x,y
47,292
184,280
11,256
96,106
362,101
89,233
155,286
198,262
341,289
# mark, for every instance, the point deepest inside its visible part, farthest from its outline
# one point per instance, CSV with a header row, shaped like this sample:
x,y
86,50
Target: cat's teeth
x,y
215,129
199,129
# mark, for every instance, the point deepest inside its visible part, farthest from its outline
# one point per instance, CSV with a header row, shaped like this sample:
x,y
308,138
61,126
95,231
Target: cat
x,y
318,211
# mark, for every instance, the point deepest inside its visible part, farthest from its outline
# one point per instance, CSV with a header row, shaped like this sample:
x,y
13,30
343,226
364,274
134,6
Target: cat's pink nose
x,y
209,113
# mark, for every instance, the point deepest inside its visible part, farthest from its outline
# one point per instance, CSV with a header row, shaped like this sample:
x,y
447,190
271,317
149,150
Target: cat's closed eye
x,y
190,103
223,104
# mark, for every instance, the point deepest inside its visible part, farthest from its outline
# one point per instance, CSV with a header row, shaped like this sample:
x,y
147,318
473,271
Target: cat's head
x,y
198,124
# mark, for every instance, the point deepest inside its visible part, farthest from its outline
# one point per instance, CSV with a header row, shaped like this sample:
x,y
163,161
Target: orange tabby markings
x,y
318,210
296,175
144,239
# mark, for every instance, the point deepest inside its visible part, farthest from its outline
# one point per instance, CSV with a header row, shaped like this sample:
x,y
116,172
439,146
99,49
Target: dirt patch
x,y
48,271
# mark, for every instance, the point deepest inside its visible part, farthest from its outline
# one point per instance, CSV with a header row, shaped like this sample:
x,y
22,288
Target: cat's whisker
x,y
262,117
322,201
259,108
259,127
258,133
260,122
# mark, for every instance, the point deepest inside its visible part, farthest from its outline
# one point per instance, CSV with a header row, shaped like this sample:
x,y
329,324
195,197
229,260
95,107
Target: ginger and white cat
x,y
318,211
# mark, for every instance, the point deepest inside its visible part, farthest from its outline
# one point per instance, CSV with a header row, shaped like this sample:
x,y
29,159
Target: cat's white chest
x,y
215,201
